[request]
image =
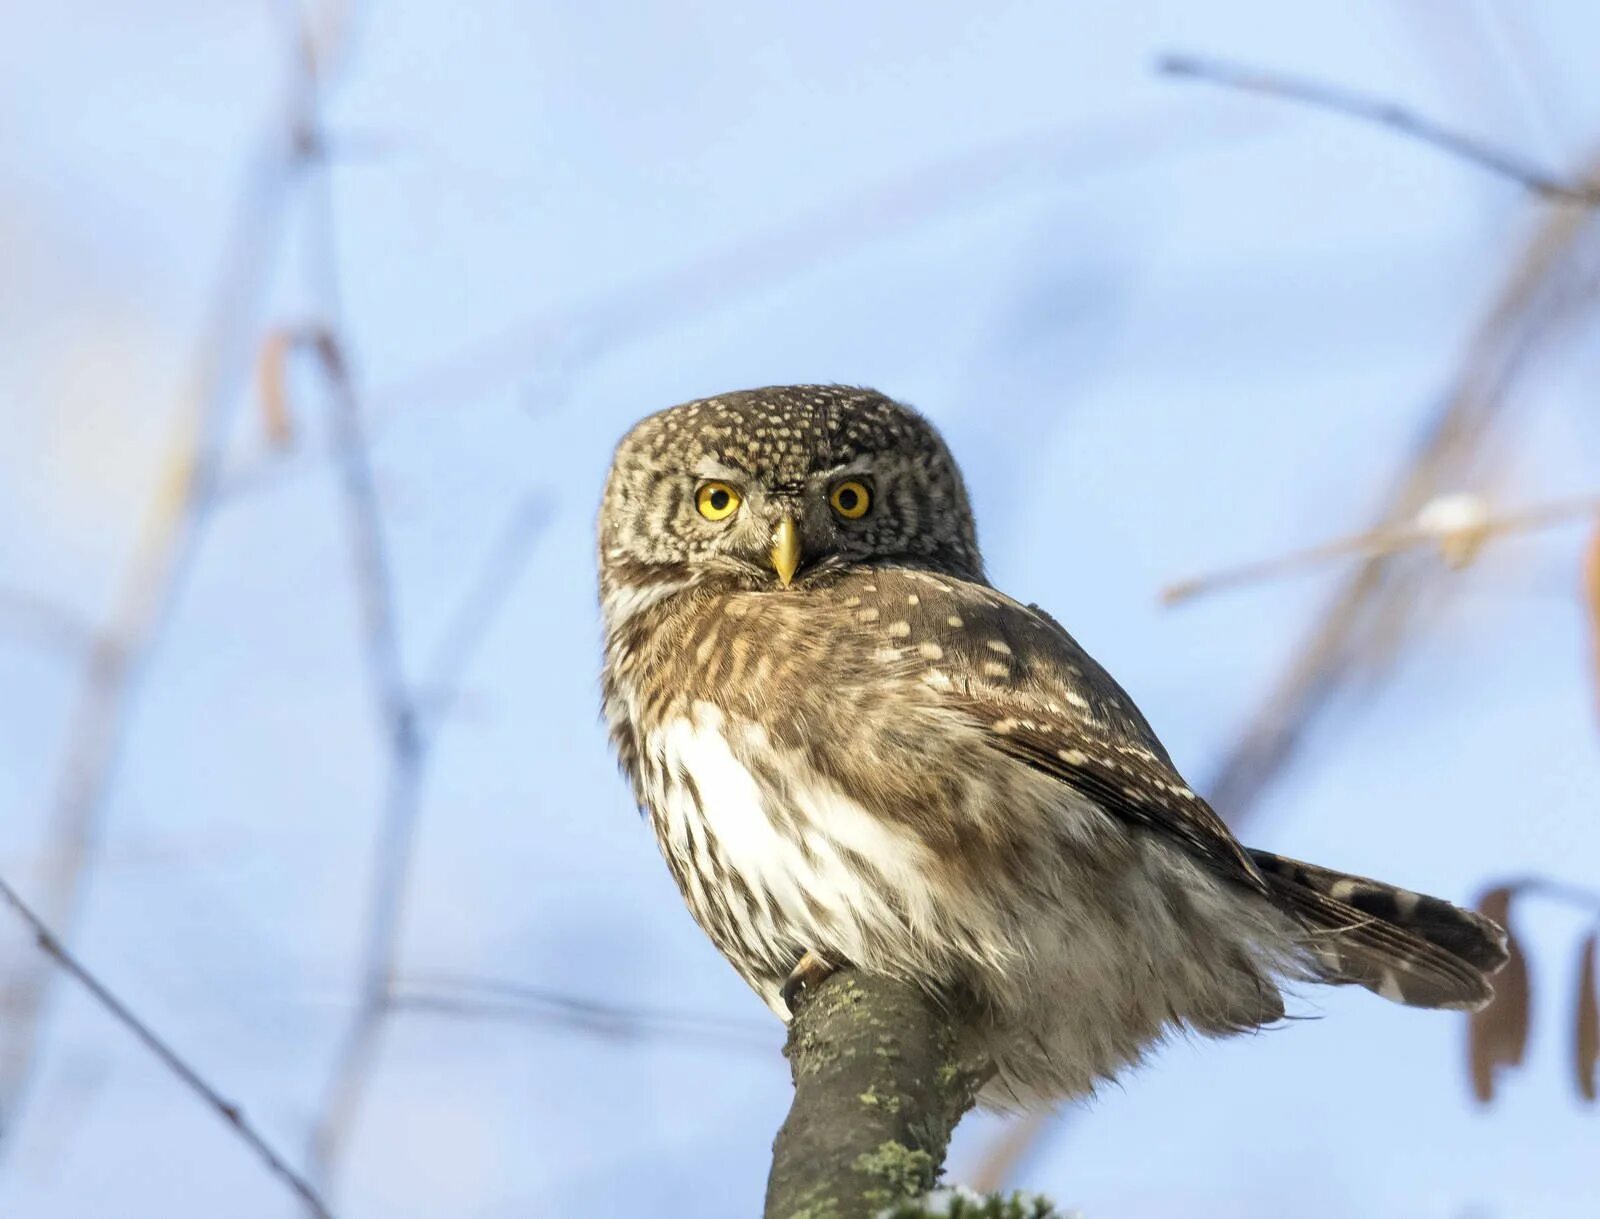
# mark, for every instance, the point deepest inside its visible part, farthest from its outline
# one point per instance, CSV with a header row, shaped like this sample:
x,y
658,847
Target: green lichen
x,y
903,1172
873,1099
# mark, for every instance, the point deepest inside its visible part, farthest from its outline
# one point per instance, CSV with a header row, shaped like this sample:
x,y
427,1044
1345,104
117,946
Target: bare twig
x,y
161,560
1383,113
400,708
1551,282
401,720
229,1112
1460,539
493,998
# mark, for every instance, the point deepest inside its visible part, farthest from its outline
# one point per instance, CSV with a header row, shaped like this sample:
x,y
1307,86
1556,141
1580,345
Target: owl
x,y
854,750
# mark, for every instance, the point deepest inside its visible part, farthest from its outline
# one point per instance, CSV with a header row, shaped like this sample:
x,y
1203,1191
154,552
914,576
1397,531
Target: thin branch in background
x,y
229,1112
1459,525
494,998
162,558
400,717
400,708
1552,282
1383,113
411,734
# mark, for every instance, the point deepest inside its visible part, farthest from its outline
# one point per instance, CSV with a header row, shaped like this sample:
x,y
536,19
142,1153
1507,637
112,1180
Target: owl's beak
x,y
786,550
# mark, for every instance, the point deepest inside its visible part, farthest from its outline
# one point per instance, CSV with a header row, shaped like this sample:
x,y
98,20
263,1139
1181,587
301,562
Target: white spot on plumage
x,y
996,668
1073,757
870,614
998,645
930,651
1077,700
899,629
953,620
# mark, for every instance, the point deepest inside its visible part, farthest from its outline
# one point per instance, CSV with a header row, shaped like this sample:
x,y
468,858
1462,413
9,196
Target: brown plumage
x,y
850,745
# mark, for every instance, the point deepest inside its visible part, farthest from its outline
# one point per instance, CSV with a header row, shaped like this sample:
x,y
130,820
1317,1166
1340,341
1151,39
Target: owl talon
x,y
810,973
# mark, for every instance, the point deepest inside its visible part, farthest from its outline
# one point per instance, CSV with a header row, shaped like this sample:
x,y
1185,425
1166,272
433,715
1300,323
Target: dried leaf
x,y
272,369
1591,605
1497,1036
1586,1039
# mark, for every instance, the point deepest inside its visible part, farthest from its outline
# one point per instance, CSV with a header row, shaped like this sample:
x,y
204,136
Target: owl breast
x,y
772,859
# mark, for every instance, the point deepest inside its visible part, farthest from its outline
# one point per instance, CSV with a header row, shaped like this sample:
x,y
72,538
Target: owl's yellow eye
x,y
717,501
850,499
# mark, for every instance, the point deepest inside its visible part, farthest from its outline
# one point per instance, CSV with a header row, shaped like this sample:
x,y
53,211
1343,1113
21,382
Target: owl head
x,y
778,487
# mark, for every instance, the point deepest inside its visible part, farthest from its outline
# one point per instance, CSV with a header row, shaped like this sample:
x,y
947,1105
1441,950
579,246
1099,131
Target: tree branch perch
x,y
878,1089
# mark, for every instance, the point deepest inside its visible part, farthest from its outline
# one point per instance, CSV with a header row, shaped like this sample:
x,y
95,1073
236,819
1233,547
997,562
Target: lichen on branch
x,y
879,1087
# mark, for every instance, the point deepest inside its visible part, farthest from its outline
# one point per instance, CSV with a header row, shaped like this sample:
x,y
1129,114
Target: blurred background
x,y
320,323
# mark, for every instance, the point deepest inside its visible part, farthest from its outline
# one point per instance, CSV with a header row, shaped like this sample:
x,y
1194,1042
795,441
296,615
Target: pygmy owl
x,y
854,750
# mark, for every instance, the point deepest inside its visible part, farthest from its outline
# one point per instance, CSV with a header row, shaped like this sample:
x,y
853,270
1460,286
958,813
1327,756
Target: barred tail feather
x,y
1407,947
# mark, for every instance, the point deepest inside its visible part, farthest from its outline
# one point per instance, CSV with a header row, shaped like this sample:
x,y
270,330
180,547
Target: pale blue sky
x,y
1163,327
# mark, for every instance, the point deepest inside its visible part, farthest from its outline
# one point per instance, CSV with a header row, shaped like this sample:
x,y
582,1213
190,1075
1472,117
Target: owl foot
x,y
811,973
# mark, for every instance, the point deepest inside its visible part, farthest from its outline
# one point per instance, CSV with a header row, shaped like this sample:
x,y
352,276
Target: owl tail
x,y
1412,949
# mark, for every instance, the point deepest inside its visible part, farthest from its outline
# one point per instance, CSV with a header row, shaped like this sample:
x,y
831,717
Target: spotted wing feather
x,y
1405,946
1061,714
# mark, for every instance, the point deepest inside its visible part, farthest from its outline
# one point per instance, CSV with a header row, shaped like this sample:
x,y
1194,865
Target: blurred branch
x,y
399,705
401,722
495,999
1551,282
1459,525
408,735
229,1112
161,560
1382,113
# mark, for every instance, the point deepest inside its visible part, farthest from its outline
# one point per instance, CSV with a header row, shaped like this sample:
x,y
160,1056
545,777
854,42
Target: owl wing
x,y
1042,700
